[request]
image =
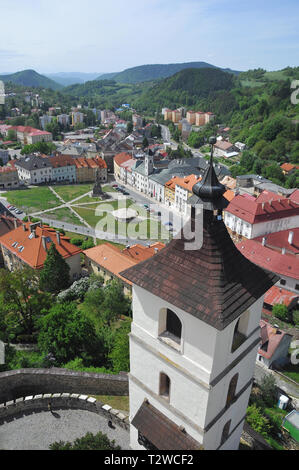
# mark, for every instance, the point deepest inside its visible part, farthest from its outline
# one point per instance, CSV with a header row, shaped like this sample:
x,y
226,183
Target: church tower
x,y
149,163
194,336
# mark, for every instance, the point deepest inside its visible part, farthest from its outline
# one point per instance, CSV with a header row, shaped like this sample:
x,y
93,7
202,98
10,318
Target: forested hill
x,y
186,88
145,73
30,78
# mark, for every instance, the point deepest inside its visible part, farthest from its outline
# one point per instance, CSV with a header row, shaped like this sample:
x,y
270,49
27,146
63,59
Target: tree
x,y
130,127
145,143
67,333
21,302
55,274
120,354
280,311
88,442
268,390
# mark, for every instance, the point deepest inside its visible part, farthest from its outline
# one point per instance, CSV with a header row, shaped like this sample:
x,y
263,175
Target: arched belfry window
x,y
173,324
225,432
170,327
164,387
232,390
240,331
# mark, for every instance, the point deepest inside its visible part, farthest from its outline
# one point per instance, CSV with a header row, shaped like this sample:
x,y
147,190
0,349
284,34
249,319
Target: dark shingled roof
x,y
161,431
215,283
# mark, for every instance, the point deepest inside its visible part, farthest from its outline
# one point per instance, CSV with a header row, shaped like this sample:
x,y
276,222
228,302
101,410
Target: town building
x,y
118,161
45,120
86,169
63,119
250,217
108,261
200,118
4,156
277,295
9,178
34,170
288,168
63,169
191,117
274,346
277,252
28,245
77,118
225,149
30,135
194,336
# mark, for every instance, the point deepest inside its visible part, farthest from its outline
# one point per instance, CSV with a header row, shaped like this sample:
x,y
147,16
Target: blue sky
x,y
109,36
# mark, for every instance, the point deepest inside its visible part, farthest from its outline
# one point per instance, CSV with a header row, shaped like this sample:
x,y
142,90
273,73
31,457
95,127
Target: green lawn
x,y
33,200
147,228
118,403
291,371
64,215
70,192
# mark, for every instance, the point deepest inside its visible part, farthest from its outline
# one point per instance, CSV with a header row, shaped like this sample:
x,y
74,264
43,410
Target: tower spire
x,y
209,192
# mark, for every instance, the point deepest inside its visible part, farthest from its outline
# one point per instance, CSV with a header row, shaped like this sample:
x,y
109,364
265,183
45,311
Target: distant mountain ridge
x,y
145,73
30,78
71,78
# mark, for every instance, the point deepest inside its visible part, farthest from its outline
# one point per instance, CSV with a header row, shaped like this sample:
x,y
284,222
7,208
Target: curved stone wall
x,y
51,402
28,382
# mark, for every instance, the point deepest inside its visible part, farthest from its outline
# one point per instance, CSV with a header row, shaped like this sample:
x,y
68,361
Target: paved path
x,y
38,430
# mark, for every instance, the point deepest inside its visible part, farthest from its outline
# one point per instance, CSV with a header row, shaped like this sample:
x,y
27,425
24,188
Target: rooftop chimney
x,y
15,223
24,227
58,238
283,251
264,241
44,241
291,238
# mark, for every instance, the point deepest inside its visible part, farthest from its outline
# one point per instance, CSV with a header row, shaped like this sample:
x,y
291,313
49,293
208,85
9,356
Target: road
x,y
289,387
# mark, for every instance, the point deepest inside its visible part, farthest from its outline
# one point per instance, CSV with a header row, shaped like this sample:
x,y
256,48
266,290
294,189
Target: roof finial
x,y
209,190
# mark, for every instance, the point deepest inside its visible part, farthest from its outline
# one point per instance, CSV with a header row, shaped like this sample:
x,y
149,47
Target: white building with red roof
x,y
249,218
29,135
277,252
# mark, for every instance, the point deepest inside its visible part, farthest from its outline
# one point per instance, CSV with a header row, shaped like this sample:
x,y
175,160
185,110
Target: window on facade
x,y
297,286
164,389
232,390
170,327
240,331
225,432
282,282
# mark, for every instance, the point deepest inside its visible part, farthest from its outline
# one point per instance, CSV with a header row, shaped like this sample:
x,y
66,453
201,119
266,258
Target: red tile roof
x,y
267,196
273,261
254,212
33,252
278,240
115,260
277,295
294,197
122,158
270,339
288,167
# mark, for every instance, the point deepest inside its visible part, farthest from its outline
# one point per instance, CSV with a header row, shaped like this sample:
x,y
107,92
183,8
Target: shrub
x,y
280,311
257,420
88,442
295,315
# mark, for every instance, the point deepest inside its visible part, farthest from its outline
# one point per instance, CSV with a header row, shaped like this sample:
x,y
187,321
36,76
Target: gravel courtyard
x,y
38,430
